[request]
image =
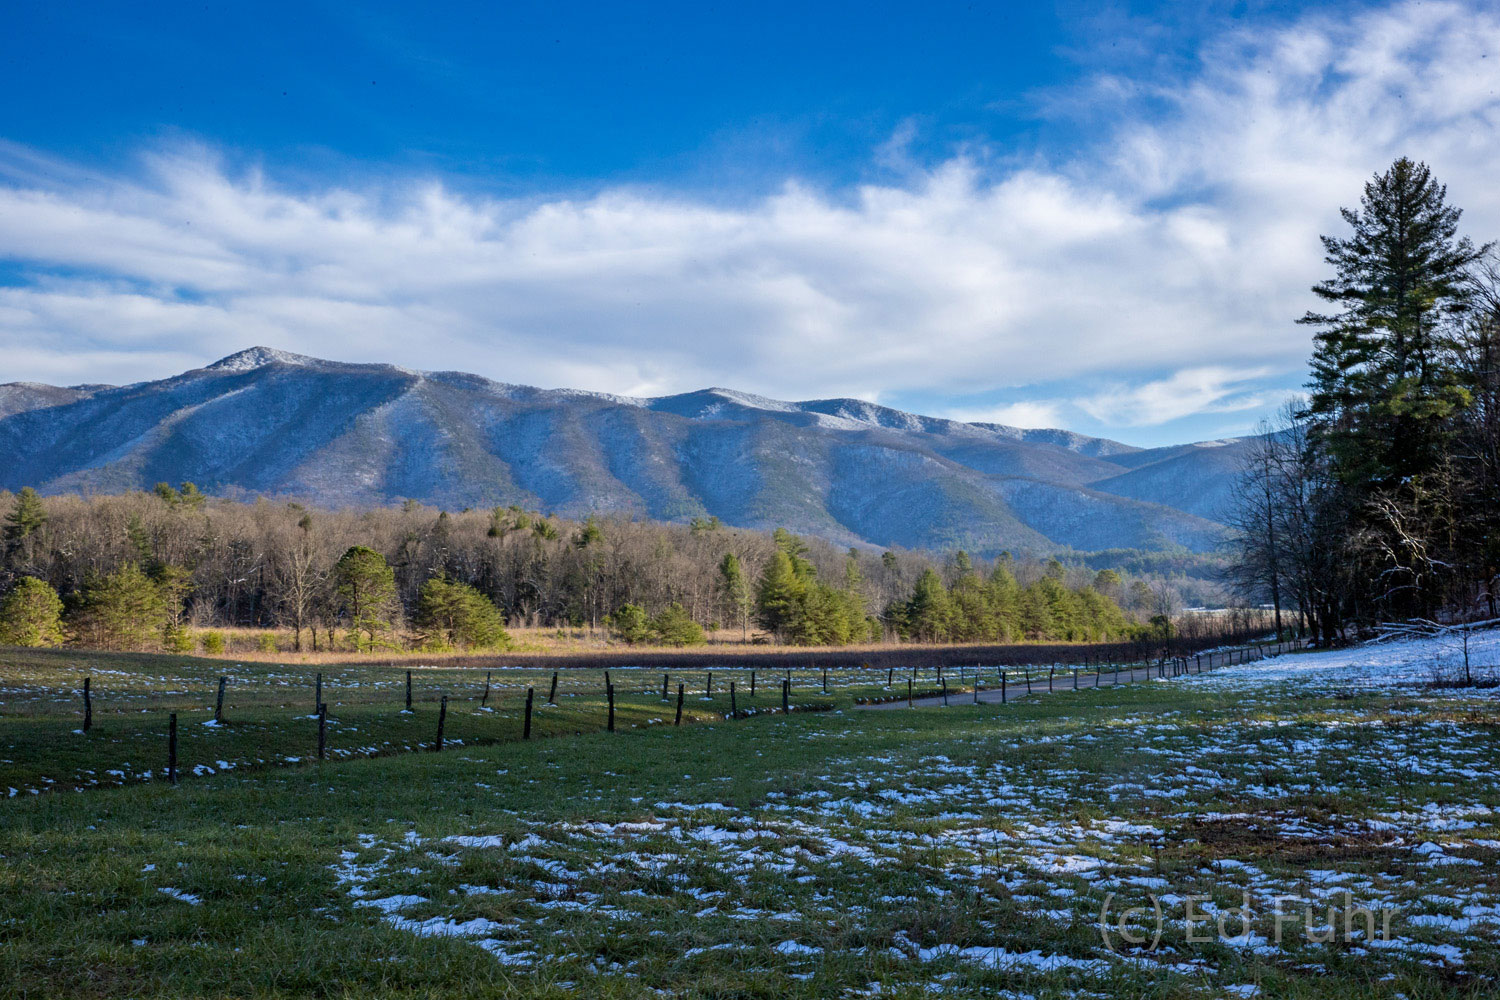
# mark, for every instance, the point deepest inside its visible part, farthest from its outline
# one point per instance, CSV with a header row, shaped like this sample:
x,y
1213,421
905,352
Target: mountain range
x,y
268,422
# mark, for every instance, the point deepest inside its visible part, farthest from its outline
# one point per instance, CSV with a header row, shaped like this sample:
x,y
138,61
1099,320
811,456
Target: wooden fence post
x,y
219,703
442,718
909,702
1028,678
890,675
678,720
825,680
1002,685
663,687
609,692
318,699
88,705
172,749
945,691
484,699
526,730
1075,678
708,685
322,731
408,690
1051,672
552,691
734,707
786,694
752,683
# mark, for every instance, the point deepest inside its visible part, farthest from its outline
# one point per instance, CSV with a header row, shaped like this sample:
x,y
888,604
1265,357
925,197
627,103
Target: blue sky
x,y
1083,215
522,98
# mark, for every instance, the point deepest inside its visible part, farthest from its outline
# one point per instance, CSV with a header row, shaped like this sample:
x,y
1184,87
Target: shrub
x,y
175,639
266,643
213,643
675,627
629,624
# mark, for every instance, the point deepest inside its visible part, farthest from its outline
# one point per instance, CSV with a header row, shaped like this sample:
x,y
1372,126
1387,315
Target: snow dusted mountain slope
x,y
270,422
18,397
1198,478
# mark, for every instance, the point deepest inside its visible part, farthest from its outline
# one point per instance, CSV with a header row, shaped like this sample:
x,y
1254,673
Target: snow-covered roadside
x,y
1377,665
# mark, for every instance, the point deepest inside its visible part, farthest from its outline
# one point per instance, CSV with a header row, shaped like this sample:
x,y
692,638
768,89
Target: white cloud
x,y
1031,413
1183,393
1175,240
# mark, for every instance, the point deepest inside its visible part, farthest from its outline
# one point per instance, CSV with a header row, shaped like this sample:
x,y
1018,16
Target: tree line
x,y
162,569
1378,496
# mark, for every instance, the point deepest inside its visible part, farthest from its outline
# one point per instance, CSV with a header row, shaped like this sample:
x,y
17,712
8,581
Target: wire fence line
x,y
256,716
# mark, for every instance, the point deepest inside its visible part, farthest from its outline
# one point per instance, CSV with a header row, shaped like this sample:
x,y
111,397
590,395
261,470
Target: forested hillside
x,y
152,570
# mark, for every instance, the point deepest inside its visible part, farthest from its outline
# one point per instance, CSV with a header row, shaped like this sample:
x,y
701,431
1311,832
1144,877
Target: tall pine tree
x,y
1384,385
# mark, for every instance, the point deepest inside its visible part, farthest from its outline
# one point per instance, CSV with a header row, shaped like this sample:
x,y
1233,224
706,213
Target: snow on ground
x,y
1376,665
1377,806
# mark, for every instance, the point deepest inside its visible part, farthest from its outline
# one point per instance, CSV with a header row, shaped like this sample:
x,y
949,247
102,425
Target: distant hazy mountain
x,y
267,422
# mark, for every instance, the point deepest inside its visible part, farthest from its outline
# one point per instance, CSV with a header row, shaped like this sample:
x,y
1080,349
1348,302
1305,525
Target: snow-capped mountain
x,y
270,422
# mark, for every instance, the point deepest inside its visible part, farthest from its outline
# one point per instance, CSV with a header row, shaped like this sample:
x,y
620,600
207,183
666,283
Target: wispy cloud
x,y
1181,240
1181,394
1031,413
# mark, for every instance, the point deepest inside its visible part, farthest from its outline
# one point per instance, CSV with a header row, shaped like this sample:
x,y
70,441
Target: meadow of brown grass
x,y
584,647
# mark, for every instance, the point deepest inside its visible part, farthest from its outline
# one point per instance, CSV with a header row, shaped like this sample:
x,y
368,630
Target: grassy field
x,y
964,851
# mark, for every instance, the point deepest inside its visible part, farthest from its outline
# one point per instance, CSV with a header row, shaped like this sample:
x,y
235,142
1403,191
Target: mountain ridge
x,y
272,422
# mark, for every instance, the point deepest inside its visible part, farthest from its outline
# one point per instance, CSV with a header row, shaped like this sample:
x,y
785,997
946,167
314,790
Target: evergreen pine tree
x,y
928,611
120,610
454,614
367,586
31,615
778,596
734,590
1384,384
27,517
23,528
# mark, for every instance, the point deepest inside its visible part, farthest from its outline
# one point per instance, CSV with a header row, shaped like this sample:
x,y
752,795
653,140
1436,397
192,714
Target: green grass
x,y
869,840
270,716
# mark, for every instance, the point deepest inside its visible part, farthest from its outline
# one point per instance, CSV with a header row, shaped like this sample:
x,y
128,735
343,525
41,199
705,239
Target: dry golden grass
x,y
245,643
582,647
